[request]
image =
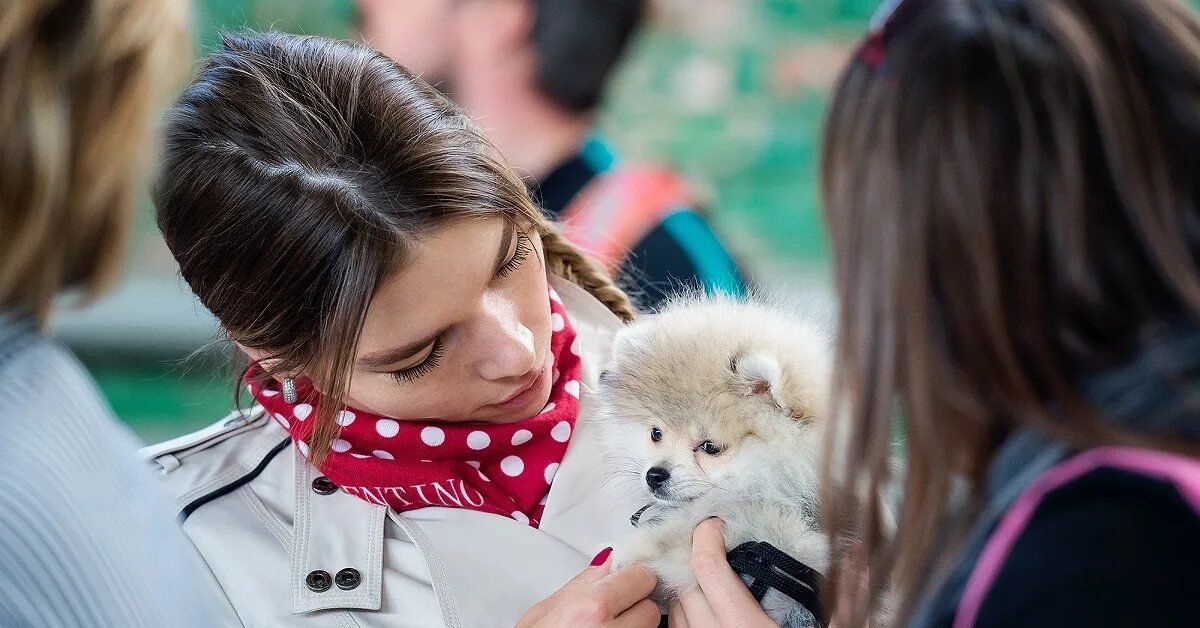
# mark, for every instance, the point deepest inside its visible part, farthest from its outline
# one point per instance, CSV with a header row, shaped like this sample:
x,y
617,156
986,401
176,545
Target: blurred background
x,y
728,92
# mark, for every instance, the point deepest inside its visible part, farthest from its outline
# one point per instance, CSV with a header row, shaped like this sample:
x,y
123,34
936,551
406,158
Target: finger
x,y
590,575
644,614
699,613
726,594
676,616
626,587
696,610
587,577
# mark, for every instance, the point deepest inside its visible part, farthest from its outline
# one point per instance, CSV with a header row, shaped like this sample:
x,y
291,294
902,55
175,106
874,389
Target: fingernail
x,y
601,557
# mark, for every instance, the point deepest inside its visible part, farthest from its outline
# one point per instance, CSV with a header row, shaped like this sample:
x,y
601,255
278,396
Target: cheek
x,y
713,465
627,438
414,401
531,292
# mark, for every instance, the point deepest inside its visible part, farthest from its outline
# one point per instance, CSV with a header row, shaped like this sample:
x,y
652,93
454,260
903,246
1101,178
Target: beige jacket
x,y
284,554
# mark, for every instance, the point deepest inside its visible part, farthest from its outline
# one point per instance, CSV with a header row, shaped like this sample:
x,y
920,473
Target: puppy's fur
x,y
717,407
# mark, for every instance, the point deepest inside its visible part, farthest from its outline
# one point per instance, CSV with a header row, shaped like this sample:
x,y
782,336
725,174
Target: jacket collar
x,y
570,507
334,533
338,531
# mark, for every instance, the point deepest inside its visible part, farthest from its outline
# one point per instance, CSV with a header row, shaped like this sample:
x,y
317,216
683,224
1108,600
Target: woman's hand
x,y
599,597
722,601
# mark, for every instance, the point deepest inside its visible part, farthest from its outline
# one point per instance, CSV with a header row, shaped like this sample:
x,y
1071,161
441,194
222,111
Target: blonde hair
x,y
81,80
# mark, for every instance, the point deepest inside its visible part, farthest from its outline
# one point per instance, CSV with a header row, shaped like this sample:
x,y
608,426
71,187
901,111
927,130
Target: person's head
x,y
1011,192
346,223
81,84
566,50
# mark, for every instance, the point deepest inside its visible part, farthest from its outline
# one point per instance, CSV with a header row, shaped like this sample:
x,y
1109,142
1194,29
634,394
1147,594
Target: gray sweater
x,y
86,539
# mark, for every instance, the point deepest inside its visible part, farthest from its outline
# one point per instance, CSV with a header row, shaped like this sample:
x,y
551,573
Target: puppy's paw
x,y
634,549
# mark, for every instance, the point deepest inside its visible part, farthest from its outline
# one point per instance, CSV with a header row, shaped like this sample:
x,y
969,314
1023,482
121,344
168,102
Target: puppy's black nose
x,y
656,476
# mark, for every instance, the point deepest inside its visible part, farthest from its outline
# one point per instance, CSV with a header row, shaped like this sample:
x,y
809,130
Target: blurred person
x,y
86,538
1011,191
423,347
533,72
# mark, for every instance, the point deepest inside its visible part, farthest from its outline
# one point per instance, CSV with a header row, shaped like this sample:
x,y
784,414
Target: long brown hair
x,y
299,171
1013,203
82,82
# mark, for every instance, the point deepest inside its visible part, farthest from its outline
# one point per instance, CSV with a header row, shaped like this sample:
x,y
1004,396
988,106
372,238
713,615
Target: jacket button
x,y
347,578
318,581
324,486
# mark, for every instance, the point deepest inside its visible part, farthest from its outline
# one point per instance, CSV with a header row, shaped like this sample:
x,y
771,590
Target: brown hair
x,y
1012,200
81,80
298,171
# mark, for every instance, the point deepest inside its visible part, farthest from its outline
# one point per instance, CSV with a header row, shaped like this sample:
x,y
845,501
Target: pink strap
x,y
1182,471
618,208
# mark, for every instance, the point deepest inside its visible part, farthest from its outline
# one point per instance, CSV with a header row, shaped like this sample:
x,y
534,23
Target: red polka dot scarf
x,y
504,469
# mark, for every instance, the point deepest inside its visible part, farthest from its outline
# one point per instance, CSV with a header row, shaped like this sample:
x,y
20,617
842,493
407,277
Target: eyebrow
x,y
380,359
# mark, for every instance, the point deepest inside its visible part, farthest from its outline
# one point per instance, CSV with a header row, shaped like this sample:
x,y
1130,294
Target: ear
x,y
506,24
261,357
761,375
255,355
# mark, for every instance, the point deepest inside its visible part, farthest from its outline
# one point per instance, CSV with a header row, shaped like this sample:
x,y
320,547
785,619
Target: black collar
x,y
554,192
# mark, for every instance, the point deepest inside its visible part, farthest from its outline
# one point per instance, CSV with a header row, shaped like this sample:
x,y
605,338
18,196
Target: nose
x,y
656,477
507,350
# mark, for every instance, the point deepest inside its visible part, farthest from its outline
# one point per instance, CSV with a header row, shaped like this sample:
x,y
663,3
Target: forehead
x,y
445,274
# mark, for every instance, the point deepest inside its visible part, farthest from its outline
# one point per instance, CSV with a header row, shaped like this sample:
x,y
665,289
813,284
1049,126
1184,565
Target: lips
x,y
521,395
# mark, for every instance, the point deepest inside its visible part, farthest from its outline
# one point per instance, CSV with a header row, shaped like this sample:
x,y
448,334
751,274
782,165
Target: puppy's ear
x,y
761,375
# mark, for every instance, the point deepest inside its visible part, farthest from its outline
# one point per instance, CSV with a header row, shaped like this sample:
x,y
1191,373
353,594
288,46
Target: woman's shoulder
x,y
204,465
594,323
582,306
1109,547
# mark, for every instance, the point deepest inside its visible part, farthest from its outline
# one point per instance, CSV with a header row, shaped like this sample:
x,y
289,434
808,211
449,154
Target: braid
x,y
569,262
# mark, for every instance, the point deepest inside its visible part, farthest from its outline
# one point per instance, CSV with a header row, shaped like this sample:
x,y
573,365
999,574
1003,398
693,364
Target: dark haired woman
x,y
1012,197
422,346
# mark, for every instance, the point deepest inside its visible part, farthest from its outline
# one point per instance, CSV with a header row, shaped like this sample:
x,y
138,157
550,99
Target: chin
x,y
529,410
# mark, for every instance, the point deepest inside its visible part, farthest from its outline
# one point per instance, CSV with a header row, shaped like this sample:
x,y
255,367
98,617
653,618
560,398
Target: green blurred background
x,y
731,92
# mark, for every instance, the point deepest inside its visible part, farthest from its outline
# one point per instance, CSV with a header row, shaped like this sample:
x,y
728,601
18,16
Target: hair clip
x,y
891,16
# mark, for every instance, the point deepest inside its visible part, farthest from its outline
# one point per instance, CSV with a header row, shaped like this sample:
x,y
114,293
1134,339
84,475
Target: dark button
x,y
324,486
319,581
347,578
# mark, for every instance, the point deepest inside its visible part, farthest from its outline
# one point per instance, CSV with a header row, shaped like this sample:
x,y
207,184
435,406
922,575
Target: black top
x,y
1111,548
680,252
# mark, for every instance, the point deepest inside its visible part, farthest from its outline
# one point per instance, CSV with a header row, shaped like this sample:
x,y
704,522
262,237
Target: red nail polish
x,y
601,557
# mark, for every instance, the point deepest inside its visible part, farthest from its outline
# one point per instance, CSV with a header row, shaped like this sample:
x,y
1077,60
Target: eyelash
x,y
413,372
519,256
435,355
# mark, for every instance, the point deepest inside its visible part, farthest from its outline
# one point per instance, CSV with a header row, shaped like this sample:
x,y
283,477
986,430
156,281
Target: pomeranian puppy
x,y
717,407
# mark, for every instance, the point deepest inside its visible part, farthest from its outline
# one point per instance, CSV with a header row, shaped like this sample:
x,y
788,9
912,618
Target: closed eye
x,y
430,362
520,254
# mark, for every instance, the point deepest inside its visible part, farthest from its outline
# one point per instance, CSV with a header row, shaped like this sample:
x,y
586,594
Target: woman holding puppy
x,y
1012,197
422,345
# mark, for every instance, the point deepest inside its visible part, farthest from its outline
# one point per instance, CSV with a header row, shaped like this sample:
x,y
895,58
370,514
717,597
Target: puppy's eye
x,y
655,434
709,448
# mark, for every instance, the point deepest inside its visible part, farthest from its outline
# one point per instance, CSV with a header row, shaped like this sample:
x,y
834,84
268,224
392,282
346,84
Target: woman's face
x,y
462,333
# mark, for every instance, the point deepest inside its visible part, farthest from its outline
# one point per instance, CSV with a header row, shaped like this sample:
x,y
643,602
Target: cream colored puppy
x,y
717,407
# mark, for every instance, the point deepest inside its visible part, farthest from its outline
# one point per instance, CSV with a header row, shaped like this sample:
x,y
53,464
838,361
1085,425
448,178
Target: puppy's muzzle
x,y
656,477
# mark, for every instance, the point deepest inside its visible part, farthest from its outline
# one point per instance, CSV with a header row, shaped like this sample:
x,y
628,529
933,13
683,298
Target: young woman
x,y
422,347
1012,196
85,535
